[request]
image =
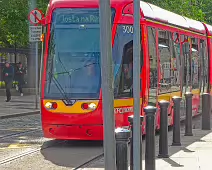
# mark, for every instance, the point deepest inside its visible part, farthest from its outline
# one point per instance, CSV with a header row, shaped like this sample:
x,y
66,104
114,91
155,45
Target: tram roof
x,y
209,29
88,2
162,15
149,11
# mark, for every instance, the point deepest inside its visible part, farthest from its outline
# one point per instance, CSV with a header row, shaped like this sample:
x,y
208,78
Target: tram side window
x,y
153,66
195,63
127,68
123,61
165,61
175,63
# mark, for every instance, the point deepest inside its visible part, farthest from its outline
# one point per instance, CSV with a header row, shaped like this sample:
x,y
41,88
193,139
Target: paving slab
x,y
18,106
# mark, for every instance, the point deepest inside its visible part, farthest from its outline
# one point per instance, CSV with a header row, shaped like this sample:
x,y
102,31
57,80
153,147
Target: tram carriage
x,y
175,58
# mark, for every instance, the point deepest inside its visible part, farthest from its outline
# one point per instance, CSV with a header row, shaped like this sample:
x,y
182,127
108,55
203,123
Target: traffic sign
x,y
35,33
35,16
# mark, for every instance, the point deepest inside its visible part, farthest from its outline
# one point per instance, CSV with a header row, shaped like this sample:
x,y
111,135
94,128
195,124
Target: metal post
x,y
15,50
163,140
206,111
150,112
36,75
122,139
130,120
136,87
107,85
176,126
30,63
188,121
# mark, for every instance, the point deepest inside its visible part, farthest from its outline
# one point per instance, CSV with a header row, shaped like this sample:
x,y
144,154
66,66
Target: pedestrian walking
x,y
20,72
8,74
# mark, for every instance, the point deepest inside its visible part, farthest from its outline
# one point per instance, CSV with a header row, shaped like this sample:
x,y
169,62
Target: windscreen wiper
x,y
73,70
59,87
64,68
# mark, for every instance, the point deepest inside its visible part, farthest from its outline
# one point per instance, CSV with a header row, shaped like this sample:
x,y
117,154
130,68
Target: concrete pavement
x,y
27,91
195,152
18,106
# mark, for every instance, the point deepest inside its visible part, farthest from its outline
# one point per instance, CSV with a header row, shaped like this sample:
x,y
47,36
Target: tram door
x,y
203,70
176,70
186,71
154,70
165,49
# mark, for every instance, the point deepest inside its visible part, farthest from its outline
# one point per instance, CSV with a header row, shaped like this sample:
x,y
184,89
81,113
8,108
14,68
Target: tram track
x,y
18,133
26,153
89,161
29,150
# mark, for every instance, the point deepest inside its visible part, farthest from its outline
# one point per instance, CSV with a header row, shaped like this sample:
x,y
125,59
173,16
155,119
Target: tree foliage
x,y
14,16
14,22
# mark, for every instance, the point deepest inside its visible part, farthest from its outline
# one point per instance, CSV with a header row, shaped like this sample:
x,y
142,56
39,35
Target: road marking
x,y
18,129
23,137
18,145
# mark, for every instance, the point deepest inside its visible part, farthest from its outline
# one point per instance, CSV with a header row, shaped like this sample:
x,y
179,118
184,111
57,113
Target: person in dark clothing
x,y
20,72
8,74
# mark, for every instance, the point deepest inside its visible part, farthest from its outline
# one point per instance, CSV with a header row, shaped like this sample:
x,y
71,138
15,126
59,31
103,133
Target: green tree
x,y
206,8
14,22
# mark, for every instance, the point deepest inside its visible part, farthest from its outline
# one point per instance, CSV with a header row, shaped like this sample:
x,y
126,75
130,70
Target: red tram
x,y
175,56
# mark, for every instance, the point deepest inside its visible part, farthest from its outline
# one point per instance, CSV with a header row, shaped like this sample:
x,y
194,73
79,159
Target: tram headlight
x,y
92,106
88,106
51,105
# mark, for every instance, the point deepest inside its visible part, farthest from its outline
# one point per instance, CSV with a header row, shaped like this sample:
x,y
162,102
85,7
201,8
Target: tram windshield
x,y
73,66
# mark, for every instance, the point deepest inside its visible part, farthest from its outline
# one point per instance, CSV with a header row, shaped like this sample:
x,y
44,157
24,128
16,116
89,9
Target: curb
x,y
19,114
